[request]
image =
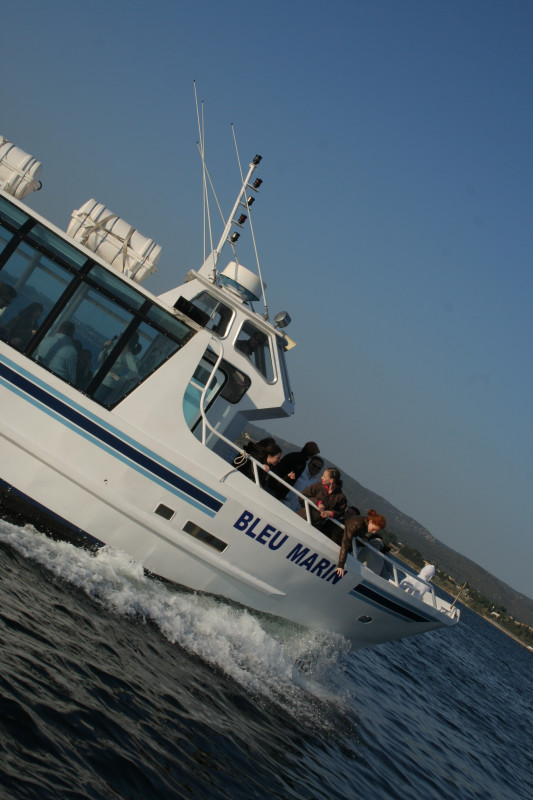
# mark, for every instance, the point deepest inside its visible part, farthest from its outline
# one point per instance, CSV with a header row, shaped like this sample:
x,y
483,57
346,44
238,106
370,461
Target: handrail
x,y
256,465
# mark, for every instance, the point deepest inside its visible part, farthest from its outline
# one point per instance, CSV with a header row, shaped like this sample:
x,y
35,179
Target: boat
x,y
121,411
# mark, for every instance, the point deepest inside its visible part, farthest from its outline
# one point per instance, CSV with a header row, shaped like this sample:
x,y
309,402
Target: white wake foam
x,y
277,661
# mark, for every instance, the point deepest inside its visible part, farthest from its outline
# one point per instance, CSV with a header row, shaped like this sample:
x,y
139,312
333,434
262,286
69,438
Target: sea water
x,y
114,685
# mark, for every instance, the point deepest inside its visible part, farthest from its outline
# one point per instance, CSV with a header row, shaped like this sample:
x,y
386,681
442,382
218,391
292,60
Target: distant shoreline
x,y
502,629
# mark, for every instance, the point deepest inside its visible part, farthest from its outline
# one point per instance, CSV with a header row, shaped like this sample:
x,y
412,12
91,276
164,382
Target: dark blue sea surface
x,y
117,686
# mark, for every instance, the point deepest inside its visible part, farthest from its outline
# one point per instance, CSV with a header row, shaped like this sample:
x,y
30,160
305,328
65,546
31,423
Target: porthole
x,y
364,619
164,511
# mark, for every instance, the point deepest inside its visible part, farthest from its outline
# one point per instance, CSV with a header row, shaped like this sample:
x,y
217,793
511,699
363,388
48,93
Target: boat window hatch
x,y
204,536
164,511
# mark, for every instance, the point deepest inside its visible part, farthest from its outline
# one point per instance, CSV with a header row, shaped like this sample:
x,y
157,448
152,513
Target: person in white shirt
x,y
308,476
58,352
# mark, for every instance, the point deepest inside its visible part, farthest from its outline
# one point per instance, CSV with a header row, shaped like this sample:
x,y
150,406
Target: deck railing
x,y
307,504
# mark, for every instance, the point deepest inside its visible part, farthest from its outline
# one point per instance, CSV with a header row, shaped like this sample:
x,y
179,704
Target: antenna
x,y
205,175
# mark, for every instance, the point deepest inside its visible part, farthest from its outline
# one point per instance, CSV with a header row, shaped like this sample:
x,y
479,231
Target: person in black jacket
x,y
292,465
268,453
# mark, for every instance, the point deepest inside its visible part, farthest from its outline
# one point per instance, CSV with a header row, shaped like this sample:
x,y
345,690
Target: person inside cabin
x,y
7,295
363,528
58,352
249,345
308,476
267,452
84,369
292,466
327,497
23,326
123,369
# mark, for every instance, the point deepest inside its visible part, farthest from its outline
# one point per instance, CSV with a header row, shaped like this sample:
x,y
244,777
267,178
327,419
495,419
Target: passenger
x,y
327,495
333,531
21,328
122,370
7,295
249,346
84,370
360,527
293,464
58,352
308,476
267,452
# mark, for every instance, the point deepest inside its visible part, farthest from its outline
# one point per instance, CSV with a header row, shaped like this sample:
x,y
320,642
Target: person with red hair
x,y
362,527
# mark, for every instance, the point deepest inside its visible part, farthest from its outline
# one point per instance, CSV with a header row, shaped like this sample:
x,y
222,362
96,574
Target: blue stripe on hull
x,y
386,603
107,438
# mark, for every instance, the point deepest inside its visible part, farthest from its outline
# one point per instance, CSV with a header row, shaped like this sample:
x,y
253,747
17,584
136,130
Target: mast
x,y
208,268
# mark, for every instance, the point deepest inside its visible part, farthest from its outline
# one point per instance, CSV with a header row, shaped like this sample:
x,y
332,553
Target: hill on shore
x,y
411,533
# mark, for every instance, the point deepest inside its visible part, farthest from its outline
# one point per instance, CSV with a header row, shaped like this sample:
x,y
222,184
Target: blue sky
x,y
394,223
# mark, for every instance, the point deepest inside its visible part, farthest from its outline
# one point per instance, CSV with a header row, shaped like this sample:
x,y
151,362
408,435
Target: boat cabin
x,y
64,308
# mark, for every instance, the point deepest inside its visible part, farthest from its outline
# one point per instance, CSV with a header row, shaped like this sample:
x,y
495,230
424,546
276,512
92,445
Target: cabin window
x,y
219,315
193,393
113,285
254,343
128,361
228,382
76,318
93,324
57,247
284,372
11,214
39,283
5,237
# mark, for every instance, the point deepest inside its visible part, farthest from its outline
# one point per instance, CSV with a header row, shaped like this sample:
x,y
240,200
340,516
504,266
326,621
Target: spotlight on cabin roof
x,y
282,319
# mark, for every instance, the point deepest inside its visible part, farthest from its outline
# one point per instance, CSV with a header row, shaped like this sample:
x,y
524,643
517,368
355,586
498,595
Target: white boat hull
x,y
94,475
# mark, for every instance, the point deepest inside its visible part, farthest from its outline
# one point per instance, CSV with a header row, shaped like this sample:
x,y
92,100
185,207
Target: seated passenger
x,y
327,496
7,295
124,368
21,328
58,352
249,346
360,527
84,371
